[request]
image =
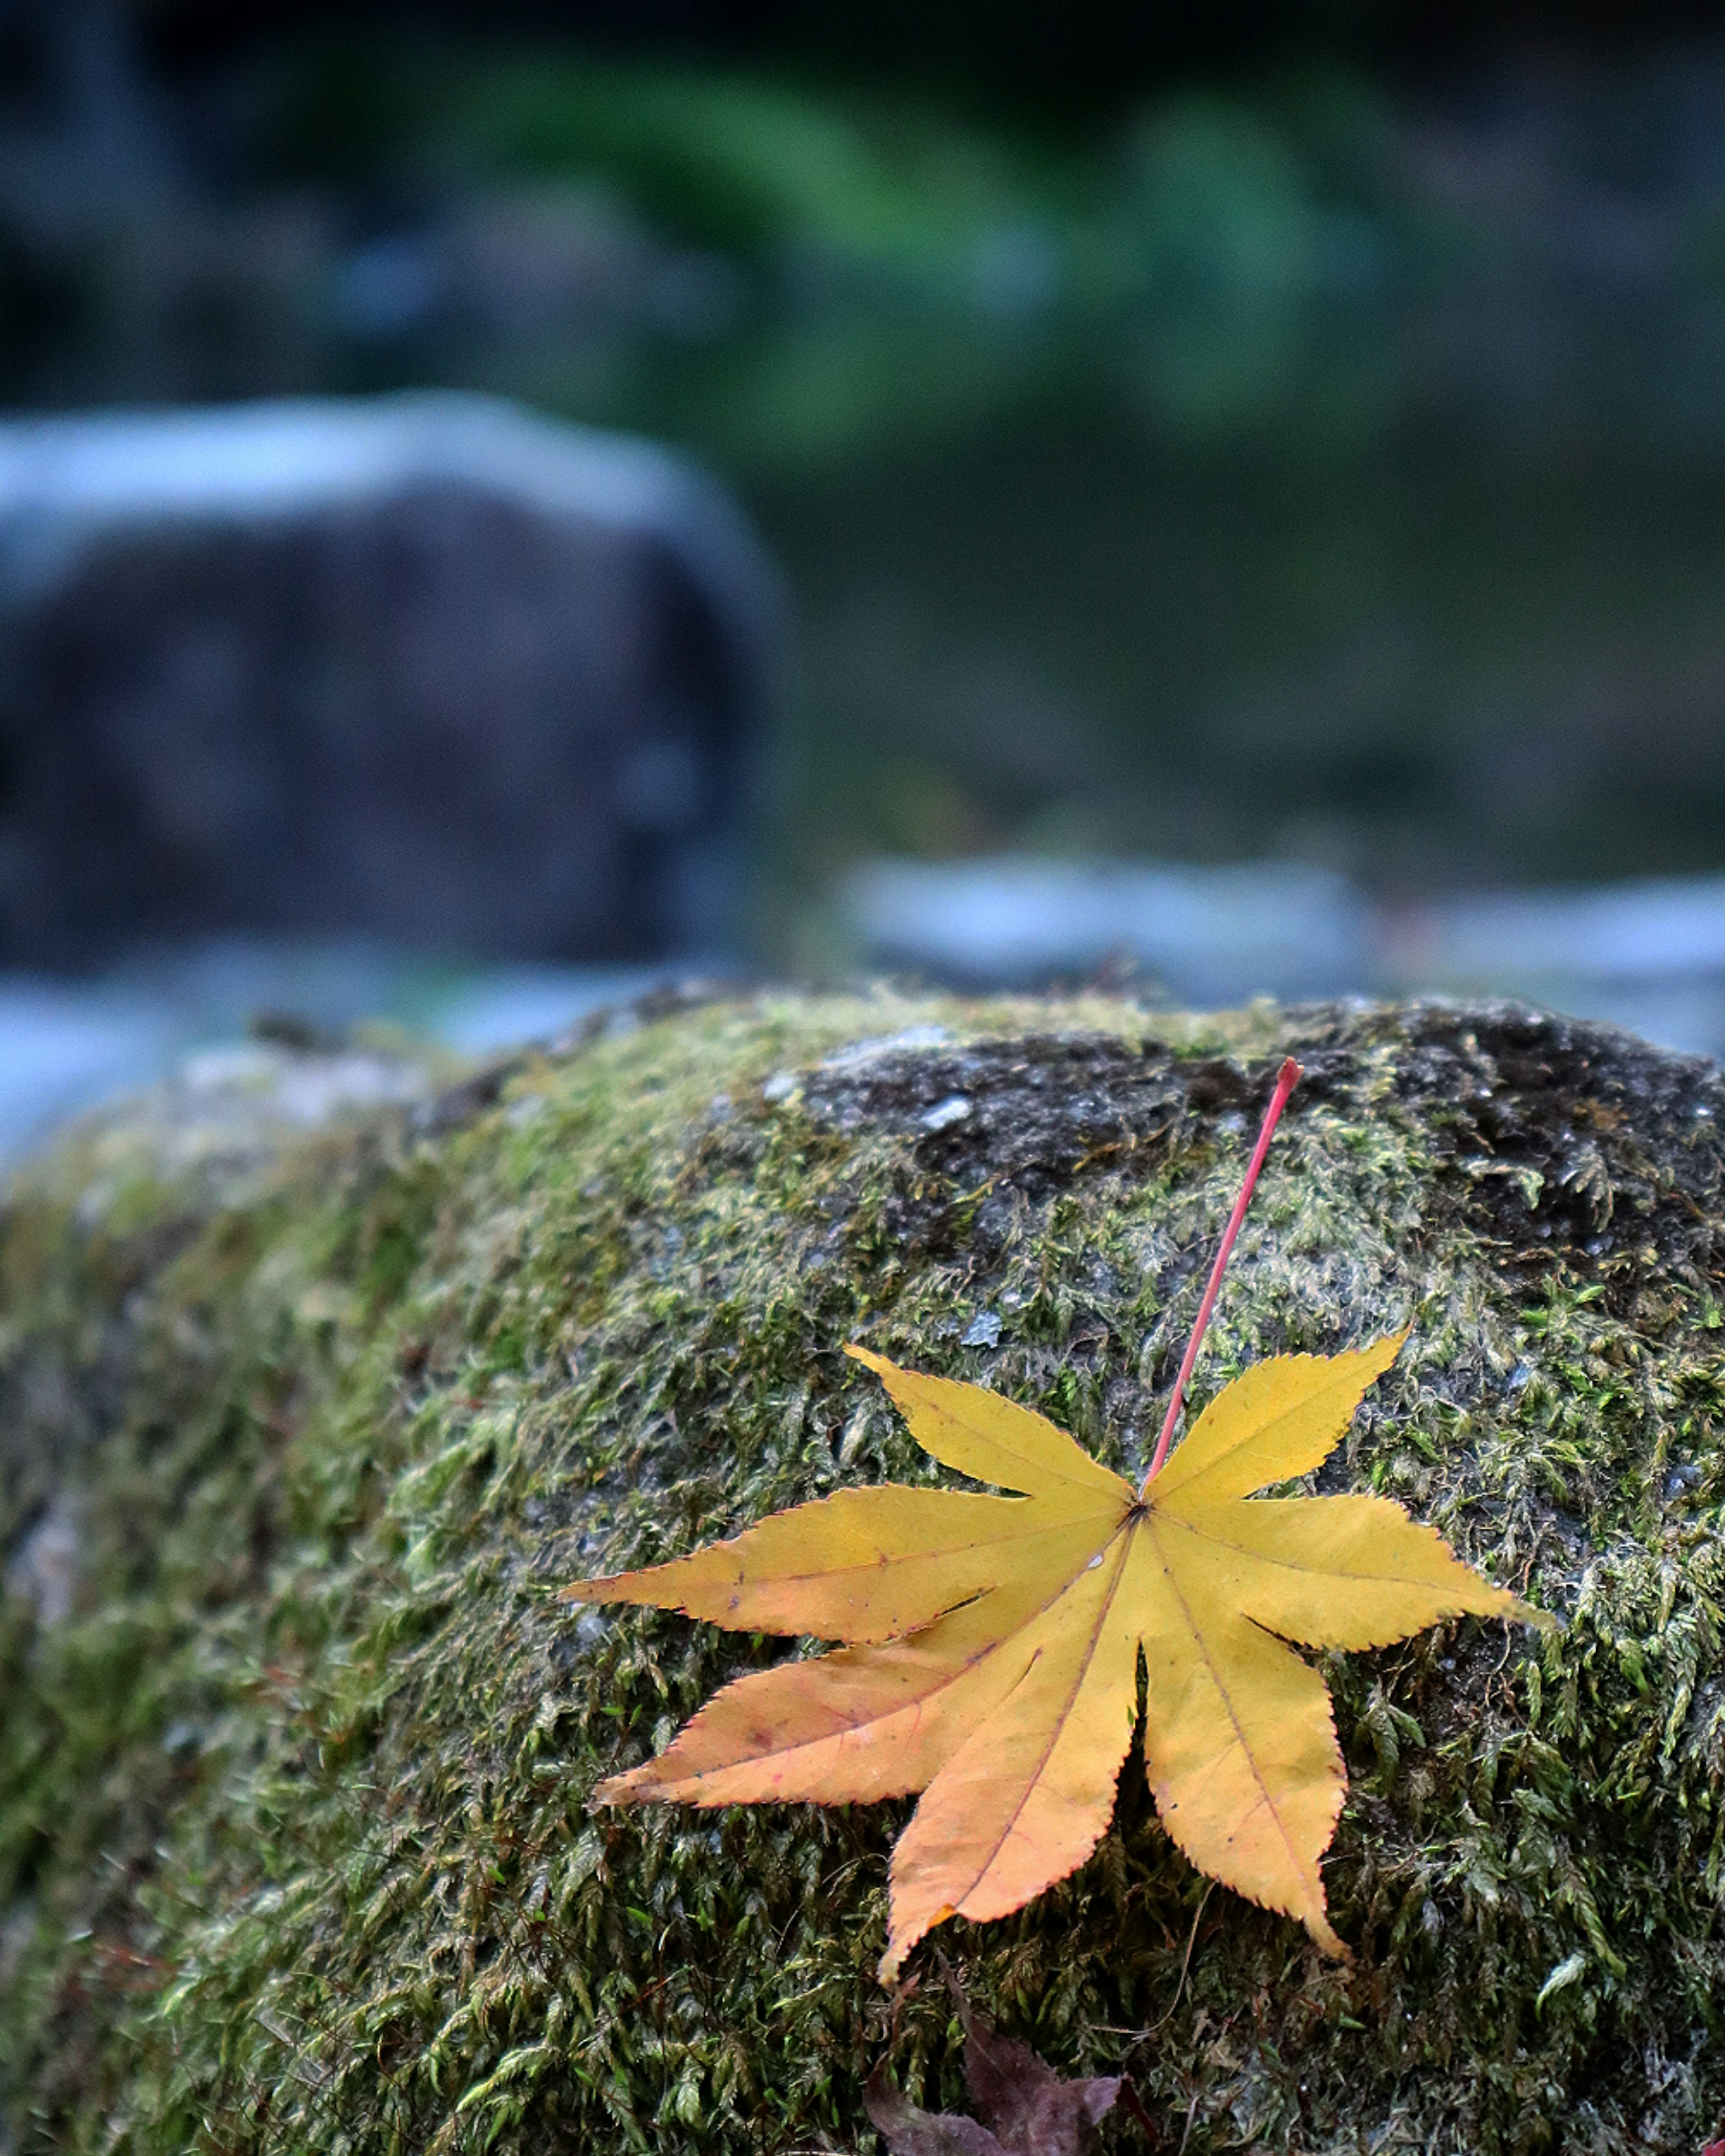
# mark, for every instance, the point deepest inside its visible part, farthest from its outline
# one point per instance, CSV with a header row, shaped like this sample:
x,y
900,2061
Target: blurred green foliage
x,y
745,162
904,268
1208,191
1218,204
1253,468
713,155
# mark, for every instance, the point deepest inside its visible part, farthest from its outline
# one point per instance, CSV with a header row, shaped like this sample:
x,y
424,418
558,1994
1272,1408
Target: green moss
x,y
295,1850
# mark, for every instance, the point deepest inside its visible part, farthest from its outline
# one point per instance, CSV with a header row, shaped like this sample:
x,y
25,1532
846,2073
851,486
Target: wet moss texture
x,y
304,1431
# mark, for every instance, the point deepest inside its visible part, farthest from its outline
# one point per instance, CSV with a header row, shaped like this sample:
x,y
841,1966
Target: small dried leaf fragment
x,y
911,2132
991,1643
1022,2108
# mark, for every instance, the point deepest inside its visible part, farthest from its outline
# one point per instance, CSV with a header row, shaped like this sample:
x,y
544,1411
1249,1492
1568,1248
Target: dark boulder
x,y
427,670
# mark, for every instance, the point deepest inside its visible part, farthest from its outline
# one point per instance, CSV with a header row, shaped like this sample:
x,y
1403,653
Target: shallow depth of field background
x,y
1298,437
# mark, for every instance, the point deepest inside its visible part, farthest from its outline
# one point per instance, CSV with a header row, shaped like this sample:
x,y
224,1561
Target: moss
x,y
295,1850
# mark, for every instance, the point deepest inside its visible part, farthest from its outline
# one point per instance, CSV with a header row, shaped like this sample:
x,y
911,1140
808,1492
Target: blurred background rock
x,y
1264,475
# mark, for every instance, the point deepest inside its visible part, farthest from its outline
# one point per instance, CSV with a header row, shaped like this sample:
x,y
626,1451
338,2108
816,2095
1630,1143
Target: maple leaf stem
x,y
1286,1078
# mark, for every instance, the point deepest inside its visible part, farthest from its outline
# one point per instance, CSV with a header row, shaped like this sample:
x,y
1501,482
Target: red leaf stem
x,y
1286,1078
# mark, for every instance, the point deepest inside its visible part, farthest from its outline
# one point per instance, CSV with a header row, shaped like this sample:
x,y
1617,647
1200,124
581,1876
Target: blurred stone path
x,y
216,1011
1646,956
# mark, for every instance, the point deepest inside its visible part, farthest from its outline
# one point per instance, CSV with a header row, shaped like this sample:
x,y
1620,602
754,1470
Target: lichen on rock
x,y
305,1426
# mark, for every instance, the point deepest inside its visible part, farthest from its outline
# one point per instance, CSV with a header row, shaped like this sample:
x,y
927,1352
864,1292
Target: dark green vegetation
x,y
294,1846
1229,475
1082,643
1235,463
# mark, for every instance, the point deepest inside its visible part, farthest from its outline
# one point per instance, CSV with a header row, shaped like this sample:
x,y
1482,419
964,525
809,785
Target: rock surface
x,y
307,1419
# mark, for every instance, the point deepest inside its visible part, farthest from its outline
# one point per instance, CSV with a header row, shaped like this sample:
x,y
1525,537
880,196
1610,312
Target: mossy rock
x,y
304,1428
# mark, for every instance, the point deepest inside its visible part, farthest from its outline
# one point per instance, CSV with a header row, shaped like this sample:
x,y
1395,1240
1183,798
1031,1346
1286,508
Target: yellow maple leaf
x,y
991,1643
994,1641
